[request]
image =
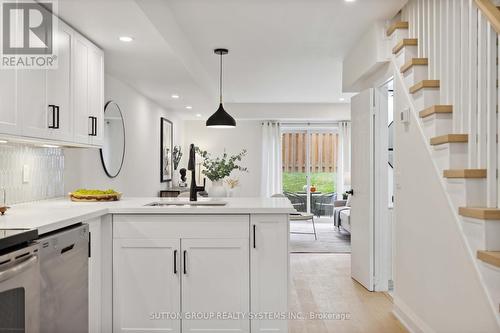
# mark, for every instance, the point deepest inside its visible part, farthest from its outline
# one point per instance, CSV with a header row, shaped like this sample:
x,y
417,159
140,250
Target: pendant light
x,y
221,119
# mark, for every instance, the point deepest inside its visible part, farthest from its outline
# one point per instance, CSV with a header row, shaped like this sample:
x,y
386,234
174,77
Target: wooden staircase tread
x,y
424,84
449,138
465,173
489,257
414,62
403,43
397,25
436,109
481,213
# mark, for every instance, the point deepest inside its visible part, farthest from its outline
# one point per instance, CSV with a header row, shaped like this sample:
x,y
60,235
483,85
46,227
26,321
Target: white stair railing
x,y
461,40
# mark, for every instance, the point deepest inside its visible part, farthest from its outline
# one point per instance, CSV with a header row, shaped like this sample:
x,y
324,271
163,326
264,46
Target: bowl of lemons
x,y
86,195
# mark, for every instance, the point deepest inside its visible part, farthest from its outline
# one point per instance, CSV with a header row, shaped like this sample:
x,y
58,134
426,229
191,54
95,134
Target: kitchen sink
x,y
186,202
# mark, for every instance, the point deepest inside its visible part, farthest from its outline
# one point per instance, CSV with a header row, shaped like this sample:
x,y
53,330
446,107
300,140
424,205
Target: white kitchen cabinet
x,y
10,118
269,267
32,102
95,275
225,265
215,279
88,92
64,104
59,83
146,285
96,93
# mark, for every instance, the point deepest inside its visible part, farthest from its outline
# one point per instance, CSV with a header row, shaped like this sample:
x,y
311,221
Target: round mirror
x,y
113,148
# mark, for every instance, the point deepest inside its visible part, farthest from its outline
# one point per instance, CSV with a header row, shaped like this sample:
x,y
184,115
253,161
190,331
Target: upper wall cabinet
x,y
65,104
88,92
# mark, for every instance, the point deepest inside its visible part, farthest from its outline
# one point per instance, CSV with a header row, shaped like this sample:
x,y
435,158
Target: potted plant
x,y
218,168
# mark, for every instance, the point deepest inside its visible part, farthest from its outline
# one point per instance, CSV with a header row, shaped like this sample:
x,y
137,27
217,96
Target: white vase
x,y
217,190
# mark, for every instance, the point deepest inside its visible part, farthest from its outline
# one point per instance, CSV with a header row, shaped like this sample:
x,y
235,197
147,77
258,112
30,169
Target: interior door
x,y
215,279
146,285
362,169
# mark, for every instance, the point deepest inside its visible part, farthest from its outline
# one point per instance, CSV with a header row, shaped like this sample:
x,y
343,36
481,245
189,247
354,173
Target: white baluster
x,y
491,118
472,107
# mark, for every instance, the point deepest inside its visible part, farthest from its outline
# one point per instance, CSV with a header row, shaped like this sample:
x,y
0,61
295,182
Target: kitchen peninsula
x,y
177,268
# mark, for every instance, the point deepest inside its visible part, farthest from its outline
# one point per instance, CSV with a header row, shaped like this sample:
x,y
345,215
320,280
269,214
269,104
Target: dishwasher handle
x,y
19,268
67,248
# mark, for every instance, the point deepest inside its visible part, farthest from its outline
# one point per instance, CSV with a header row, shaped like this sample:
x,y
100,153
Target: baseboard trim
x,y
408,318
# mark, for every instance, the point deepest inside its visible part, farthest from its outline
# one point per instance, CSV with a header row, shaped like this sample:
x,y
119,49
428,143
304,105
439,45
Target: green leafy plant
x,y
176,156
218,168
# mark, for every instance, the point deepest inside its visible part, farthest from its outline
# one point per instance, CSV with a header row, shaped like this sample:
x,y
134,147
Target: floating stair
x,y
424,84
449,138
414,62
403,43
489,257
480,213
435,109
465,173
397,26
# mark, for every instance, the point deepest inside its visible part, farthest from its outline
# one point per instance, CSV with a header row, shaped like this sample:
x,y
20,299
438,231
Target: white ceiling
x,y
281,51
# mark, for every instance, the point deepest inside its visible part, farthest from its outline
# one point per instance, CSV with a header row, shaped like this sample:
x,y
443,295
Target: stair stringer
x,y
484,320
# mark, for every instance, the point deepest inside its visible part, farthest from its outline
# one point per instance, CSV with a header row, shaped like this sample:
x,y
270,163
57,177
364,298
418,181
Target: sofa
x,y
341,215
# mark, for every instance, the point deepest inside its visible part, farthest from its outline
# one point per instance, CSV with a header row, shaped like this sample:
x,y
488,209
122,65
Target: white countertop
x,y
50,215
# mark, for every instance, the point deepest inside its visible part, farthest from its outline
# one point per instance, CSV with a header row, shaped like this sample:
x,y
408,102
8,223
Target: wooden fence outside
x,y
324,148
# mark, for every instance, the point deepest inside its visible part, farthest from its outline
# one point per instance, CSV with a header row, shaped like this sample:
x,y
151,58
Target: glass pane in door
x,y
294,160
323,167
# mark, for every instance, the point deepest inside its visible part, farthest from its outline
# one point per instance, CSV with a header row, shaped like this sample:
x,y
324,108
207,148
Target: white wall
x,y
437,288
247,135
140,175
366,57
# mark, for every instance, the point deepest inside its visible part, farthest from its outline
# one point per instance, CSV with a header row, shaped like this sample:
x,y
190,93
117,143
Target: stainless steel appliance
x,y
64,280
19,281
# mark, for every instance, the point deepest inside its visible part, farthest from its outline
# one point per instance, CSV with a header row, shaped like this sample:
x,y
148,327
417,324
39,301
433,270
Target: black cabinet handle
x,y
185,268
90,244
57,114
254,237
93,125
175,261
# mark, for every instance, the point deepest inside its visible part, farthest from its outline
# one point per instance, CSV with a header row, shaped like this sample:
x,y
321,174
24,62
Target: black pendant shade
x,y
221,119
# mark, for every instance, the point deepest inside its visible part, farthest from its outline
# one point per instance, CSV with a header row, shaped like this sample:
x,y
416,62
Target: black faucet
x,y
194,189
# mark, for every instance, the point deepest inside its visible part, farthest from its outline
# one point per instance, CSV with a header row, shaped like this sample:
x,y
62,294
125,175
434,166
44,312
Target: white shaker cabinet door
x,y
82,123
96,93
59,83
146,285
32,102
10,119
269,267
215,279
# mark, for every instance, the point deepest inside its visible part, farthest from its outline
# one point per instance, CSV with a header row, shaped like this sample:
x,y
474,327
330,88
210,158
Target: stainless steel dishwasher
x,y
64,280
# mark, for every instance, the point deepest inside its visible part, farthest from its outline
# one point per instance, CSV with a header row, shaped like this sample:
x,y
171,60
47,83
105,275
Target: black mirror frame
x,y
124,142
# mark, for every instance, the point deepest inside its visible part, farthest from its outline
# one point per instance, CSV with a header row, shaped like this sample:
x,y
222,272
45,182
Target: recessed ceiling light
x,y
341,99
350,0
4,141
50,146
175,96
189,107
126,39
198,115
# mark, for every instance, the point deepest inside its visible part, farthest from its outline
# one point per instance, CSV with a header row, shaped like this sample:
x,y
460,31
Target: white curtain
x,y
271,159
344,158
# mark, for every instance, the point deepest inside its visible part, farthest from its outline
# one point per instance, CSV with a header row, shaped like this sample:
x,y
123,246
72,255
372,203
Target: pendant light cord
x,y
220,80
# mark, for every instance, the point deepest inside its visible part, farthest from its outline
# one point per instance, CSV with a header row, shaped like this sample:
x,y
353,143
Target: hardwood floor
x,y
322,283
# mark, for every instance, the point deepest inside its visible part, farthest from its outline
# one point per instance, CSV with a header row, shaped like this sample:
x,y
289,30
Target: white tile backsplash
x,y
45,178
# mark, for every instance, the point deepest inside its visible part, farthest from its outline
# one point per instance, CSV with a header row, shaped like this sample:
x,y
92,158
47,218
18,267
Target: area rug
x,y
329,240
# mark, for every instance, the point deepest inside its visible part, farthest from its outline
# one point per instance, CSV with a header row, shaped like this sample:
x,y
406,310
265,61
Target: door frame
x,y
308,129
